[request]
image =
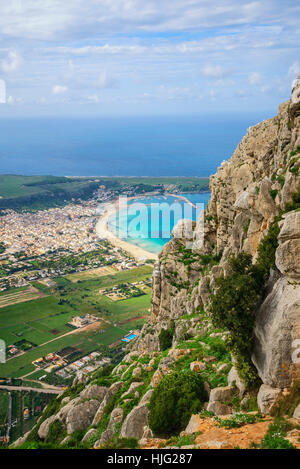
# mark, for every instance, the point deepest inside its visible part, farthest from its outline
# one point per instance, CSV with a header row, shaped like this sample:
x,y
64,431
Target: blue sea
x,y
148,221
125,146
131,146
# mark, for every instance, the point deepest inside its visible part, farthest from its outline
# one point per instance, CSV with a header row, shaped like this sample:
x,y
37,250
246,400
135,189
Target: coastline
x,y
103,231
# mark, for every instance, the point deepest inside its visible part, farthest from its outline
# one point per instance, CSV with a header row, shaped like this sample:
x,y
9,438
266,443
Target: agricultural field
x,y
41,325
20,295
87,274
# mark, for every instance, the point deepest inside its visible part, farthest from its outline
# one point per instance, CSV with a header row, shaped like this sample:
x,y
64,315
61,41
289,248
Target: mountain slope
x,y
225,315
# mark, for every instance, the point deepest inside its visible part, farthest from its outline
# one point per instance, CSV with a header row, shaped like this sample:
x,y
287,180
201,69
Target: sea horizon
x,y
161,146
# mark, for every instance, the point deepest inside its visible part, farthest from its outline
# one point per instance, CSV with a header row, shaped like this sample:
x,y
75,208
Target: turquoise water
x,y
147,222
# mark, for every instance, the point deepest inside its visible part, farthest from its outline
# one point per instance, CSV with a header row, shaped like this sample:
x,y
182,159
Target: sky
x,y
127,57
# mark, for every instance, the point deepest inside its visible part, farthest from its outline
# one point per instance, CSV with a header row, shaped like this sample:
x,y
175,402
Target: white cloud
x,y
105,81
294,69
12,62
56,20
59,89
255,78
93,98
214,71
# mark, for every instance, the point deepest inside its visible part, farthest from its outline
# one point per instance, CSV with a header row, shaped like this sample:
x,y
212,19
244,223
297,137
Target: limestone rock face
x,y
217,399
267,397
288,251
296,414
93,391
295,99
44,427
222,394
111,391
115,418
234,380
277,327
218,408
91,432
136,420
146,397
81,416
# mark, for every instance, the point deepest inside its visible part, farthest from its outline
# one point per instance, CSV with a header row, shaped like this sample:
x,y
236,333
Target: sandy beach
x,y
103,232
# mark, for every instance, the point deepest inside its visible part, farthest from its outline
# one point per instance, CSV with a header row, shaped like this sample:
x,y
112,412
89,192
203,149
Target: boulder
x,y
218,408
136,420
193,425
296,414
137,372
156,378
267,397
233,379
115,418
106,436
93,391
20,440
222,394
197,366
146,397
132,388
111,391
44,427
65,440
81,416
89,434
63,412
165,362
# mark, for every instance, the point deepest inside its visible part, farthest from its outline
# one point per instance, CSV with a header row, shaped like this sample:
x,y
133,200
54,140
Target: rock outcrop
x,y
248,194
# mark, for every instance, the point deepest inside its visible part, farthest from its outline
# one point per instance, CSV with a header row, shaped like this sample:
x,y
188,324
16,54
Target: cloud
x,y
255,78
214,71
56,20
105,81
59,89
12,62
189,46
93,98
294,69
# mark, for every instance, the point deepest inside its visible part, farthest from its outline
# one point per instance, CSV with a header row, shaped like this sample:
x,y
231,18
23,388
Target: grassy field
x,y
19,296
107,270
38,192
43,321
41,192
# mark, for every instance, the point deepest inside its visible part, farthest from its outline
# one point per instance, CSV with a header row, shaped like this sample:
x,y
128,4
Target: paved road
x,y
27,388
9,416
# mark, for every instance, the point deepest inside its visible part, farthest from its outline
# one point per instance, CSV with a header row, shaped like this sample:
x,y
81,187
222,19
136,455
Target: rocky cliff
x,y
252,225
249,193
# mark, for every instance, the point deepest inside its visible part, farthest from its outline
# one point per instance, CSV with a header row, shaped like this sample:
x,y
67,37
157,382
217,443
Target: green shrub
x,y
287,404
273,193
174,400
166,337
238,420
274,438
232,307
56,432
267,249
121,443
